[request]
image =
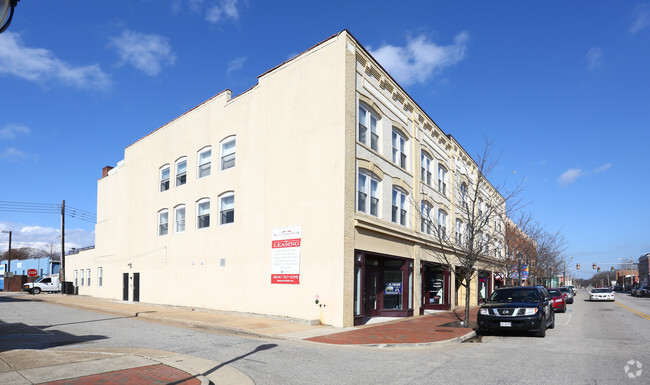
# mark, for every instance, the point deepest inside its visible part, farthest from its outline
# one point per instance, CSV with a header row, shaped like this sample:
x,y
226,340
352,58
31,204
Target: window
x,y
87,277
399,207
442,224
205,161
459,232
228,153
76,278
203,214
164,178
100,276
425,165
81,277
463,193
368,120
480,207
181,172
179,219
163,222
442,180
399,150
368,184
227,209
425,223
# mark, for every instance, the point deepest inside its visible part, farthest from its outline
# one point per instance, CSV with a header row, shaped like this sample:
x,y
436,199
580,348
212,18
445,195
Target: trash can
x,y
68,287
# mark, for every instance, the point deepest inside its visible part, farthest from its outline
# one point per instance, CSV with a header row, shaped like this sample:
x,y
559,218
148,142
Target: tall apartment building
x,y
307,196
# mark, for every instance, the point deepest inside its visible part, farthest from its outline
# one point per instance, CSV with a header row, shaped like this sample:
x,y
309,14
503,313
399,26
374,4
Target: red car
x,y
559,304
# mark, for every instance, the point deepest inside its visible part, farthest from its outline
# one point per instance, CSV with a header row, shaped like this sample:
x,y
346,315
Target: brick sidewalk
x,y
422,329
145,375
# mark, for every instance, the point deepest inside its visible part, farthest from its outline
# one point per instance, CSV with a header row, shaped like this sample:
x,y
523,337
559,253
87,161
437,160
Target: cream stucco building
x,y
301,197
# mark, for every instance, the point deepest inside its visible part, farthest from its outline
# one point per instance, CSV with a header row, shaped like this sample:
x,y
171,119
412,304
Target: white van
x,y
49,282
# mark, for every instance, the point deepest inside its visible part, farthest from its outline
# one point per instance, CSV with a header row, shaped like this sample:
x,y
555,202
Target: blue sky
x,y
561,88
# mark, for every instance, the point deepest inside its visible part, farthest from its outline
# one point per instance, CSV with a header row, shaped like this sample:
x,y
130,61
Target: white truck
x,y
49,282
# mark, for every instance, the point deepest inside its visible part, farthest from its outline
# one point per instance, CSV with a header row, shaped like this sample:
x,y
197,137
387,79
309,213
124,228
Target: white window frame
x,y
463,193
442,179
199,216
442,223
181,176
426,224
76,277
178,222
204,167
163,222
459,231
224,210
399,212
164,179
228,155
399,147
425,168
368,186
81,277
88,277
100,276
367,121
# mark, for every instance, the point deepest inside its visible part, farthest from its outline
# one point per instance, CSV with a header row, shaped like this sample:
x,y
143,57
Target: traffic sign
x,y
32,273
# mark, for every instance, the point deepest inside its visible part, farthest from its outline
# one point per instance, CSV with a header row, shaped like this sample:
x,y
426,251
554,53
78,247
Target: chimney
x,y
105,171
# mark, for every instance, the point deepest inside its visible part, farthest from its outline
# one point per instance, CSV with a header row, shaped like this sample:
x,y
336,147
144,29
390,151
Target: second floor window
x,y
228,153
368,122
442,180
368,187
179,220
459,232
442,224
163,222
398,214
203,214
164,178
425,167
181,172
205,162
227,210
399,150
425,222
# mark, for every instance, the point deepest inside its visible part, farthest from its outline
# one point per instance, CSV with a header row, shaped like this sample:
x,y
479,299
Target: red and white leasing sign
x,y
285,255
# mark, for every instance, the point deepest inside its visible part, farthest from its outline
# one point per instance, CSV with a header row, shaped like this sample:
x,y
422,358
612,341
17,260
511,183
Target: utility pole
x,y
8,255
62,271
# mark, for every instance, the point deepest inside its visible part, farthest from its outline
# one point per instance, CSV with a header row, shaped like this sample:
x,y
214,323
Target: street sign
x,y
32,273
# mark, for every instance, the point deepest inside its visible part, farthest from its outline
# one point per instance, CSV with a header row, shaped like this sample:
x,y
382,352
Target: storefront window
x,y
436,287
357,290
393,285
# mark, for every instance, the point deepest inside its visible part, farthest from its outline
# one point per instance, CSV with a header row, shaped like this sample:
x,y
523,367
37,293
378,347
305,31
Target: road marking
x,y
633,311
567,321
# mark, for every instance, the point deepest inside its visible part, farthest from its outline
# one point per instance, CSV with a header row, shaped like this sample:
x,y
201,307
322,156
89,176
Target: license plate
x,y
506,324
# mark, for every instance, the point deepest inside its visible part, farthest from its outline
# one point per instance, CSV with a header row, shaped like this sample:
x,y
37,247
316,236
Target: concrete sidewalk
x,y
145,366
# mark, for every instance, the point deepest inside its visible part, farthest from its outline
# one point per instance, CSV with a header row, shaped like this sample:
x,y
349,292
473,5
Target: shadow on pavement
x,y
23,336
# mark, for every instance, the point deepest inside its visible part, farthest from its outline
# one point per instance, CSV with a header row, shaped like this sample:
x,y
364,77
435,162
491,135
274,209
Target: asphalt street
x,y
592,343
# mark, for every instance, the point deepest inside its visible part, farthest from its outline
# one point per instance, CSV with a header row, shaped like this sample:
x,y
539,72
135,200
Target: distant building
x,y
644,269
44,265
307,196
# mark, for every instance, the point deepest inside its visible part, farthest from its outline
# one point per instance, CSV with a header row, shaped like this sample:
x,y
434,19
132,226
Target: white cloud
x,y
594,58
421,59
570,176
40,65
602,168
236,64
641,16
224,9
42,236
146,52
10,131
12,154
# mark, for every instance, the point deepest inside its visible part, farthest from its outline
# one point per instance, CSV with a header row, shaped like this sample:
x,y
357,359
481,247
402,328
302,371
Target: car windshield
x,y
515,295
555,292
564,289
601,291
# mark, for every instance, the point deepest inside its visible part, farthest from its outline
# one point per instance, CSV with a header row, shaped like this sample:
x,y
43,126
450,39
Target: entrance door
x,y
125,287
371,288
435,288
136,287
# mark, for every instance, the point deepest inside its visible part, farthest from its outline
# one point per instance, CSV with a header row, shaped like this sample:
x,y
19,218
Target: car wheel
x,y
36,290
552,325
541,332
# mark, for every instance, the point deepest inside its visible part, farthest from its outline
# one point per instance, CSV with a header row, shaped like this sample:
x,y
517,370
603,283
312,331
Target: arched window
x,y
368,121
228,153
425,215
204,162
181,171
163,222
164,178
203,213
368,187
399,209
227,208
179,219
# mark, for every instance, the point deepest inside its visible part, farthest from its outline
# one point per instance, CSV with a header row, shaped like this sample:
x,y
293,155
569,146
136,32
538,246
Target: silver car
x,y
567,294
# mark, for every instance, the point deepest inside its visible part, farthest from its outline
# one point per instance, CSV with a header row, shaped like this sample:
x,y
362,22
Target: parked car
x,y
567,293
643,291
573,289
559,304
602,294
525,308
618,288
634,291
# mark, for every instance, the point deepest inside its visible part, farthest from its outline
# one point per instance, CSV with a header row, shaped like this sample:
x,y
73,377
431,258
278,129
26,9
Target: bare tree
x,y
550,254
480,211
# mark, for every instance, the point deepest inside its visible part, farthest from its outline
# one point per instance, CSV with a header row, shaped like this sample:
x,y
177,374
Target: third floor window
x,y
399,150
368,128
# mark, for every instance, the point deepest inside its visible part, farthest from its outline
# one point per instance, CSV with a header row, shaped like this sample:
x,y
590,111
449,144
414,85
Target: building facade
x,y
644,269
310,196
